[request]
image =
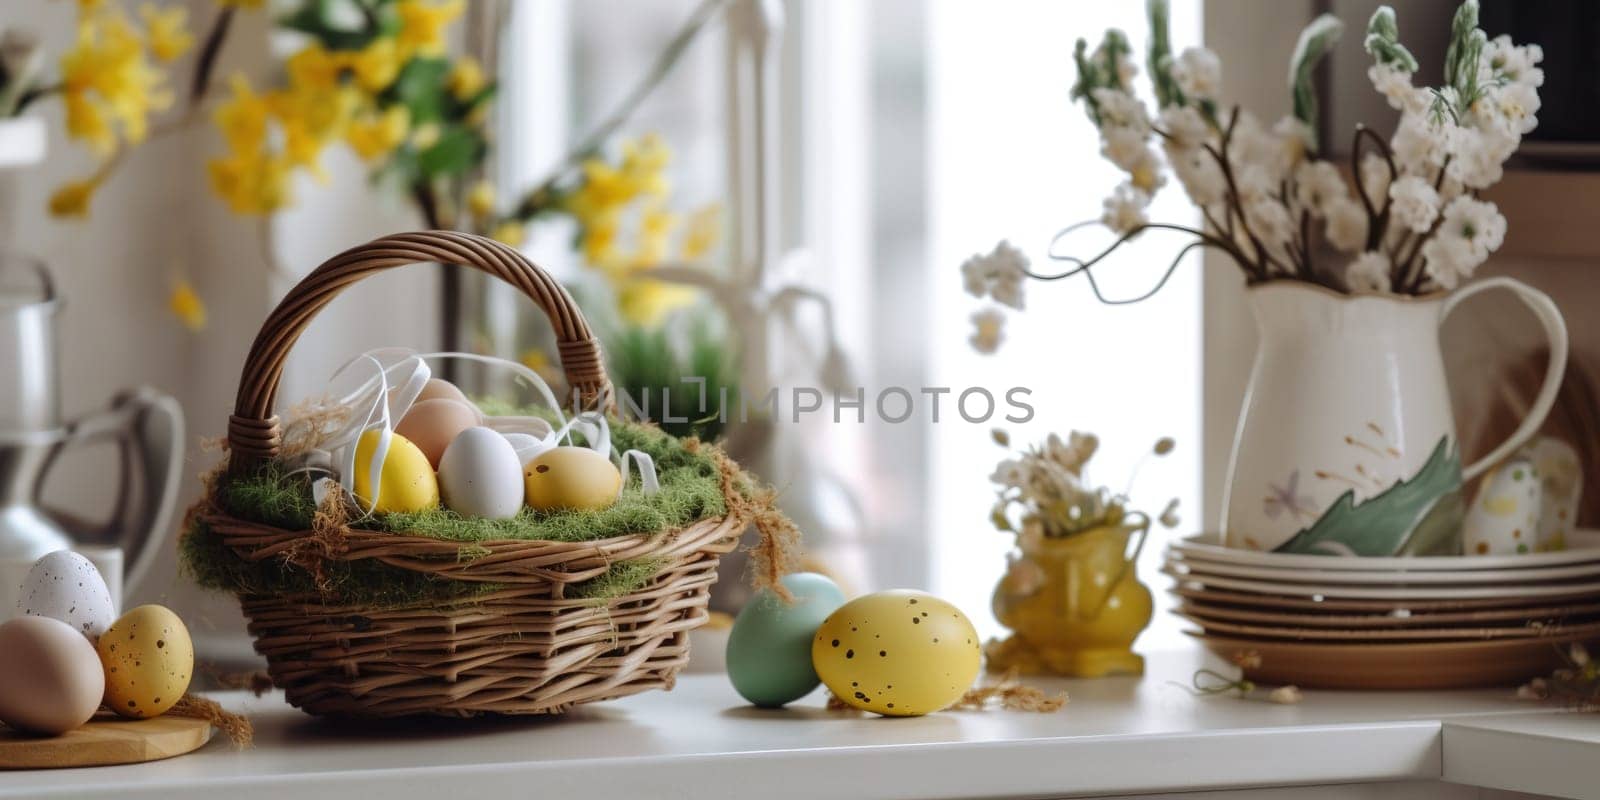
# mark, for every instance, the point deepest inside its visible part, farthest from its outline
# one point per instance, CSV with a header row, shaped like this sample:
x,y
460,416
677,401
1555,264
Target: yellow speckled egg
x,y
573,478
148,660
406,481
899,653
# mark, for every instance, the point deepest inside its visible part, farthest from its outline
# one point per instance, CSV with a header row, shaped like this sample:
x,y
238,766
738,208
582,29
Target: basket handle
x,y
253,430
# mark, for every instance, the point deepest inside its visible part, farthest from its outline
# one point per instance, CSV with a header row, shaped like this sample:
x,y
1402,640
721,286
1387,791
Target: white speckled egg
x,y
1504,517
66,586
480,475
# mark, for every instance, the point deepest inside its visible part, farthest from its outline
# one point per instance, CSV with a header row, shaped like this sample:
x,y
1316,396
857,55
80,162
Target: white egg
x,y
480,476
526,445
66,586
1504,517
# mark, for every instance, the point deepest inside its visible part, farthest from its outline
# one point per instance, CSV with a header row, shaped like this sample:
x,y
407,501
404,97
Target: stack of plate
x,y
1390,623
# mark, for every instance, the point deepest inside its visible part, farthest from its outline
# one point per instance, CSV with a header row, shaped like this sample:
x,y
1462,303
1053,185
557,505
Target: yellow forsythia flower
x,y
510,232
426,135
467,79
313,66
702,233
107,77
167,29
376,65
87,121
72,199
255,183
187,306
243,118
377,135
480,199
646,302
422,25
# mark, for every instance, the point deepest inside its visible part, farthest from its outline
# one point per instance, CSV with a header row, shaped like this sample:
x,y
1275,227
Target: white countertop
x,y
701,741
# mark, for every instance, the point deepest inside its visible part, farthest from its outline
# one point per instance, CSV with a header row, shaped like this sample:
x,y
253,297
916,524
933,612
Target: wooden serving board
x,y
105,740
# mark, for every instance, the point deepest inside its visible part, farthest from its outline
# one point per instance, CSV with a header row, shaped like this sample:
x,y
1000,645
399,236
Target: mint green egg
x,y
769,648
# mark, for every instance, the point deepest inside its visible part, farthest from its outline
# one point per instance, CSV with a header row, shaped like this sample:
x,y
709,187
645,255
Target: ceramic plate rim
x,y
1487,576
1384,635
1391,593
1354,619
1343,605
1209,551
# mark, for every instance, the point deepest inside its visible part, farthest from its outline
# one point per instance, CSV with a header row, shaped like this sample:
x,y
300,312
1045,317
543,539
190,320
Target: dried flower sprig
x,y
1045,485
1412,223
1577,684
1207,682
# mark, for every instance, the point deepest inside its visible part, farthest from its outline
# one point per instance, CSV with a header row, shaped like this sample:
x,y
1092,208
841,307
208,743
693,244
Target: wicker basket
x,y
524,649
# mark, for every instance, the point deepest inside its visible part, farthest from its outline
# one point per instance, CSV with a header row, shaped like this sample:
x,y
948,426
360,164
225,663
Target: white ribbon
x,y
399,376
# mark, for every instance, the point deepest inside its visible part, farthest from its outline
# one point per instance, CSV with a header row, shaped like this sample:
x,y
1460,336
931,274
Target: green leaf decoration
x,y
457,150
1383,41
1160,57
421,86
1314,43
325,21
1419,516
1088,80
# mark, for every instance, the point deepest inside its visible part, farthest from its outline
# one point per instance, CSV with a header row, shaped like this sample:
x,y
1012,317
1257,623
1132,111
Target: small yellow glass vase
x,y
1074,603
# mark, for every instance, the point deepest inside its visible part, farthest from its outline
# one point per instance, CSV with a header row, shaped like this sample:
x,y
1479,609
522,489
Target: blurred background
x,y
765,194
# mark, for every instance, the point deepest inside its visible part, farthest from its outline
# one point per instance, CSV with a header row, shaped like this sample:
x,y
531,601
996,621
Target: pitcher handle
x,y
147,427
1555,329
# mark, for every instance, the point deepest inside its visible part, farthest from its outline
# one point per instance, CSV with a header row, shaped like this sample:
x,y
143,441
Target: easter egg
x,y
432,425
572,478
66,586
769,647
50,677
1504,518
480,476
148,661
406,482
436,389
899,653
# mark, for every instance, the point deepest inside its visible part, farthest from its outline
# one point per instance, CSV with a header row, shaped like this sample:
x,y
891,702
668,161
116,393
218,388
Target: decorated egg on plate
x,y
66,586
432,425
1504,517
148,660
571,478
437,388
406,482
50,677
480,476
769,647
1561,483
898,653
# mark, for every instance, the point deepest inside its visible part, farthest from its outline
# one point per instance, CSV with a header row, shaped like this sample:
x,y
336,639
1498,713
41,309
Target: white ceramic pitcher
x,y
1346,444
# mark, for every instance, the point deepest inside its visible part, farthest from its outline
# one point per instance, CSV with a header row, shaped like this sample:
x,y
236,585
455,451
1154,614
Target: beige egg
x,y
436,389
148,659
432,425
50,677
572,478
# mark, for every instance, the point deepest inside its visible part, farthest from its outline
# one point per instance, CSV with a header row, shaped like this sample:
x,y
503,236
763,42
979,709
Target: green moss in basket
x,y
690,491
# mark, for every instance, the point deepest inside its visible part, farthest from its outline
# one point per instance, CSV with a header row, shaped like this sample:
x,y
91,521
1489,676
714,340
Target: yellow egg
x,y
574,478
899,653
406,482
148,660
